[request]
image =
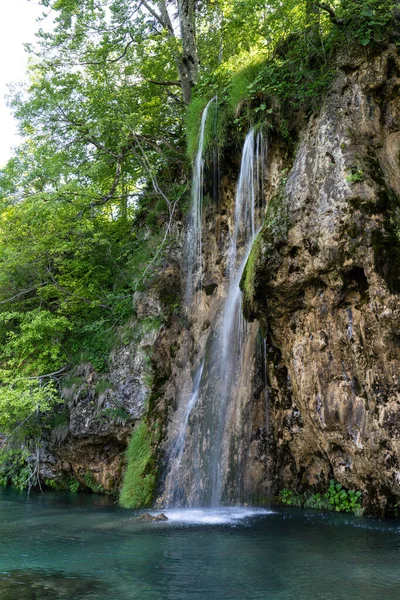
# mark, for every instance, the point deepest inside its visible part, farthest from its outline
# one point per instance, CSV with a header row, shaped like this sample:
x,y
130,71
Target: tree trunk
x,y
189,62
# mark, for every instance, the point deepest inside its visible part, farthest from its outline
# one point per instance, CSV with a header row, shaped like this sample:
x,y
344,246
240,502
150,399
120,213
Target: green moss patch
x,y
139,479
248,281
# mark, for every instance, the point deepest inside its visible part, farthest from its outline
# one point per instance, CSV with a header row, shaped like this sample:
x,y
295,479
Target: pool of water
x,y
81,547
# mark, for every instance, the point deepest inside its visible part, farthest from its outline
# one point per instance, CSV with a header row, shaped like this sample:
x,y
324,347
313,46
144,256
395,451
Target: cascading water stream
x,y
194,275
233,330
198,458
174,491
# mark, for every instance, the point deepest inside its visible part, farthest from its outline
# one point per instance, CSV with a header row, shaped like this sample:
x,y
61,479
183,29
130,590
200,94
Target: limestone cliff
x,y
324,281
320,397
89,436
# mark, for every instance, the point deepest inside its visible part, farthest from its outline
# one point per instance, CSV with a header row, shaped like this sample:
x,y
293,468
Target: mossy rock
x,y
140,478
265,249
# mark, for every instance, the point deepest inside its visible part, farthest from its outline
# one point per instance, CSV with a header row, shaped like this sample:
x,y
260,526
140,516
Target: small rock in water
x,y
149,517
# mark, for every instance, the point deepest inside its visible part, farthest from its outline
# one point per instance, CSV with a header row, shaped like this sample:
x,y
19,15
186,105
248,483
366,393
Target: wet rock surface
x,y
39,585
326,288
154,518
101,410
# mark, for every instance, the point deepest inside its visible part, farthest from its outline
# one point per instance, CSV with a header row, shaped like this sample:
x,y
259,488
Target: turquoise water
x,y
81,547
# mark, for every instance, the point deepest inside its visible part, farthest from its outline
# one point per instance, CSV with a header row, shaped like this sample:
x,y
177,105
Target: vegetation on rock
x,y
336,498
139,480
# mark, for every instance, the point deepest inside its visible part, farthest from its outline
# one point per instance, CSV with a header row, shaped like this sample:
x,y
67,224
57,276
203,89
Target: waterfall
x,y
233,330
194,274
204,446
175,488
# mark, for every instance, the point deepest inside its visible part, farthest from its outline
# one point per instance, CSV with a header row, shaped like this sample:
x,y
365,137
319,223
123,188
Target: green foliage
x,y
25,405
115,413
370,22
24,400
102,386
149,324
69,483
93,343
14,469
337,498
216,126
84,202
317,502
33,340
356,176
73,485
97,488
248,281
193,119
280,71
282,88
343,500
139,479
241,84
285,496
289,498
52,484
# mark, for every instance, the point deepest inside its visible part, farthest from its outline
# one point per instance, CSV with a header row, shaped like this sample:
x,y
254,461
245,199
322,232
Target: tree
x,y
125,27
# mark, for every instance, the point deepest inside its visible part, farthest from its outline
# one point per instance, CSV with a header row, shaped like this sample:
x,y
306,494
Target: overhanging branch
x,y
165,83
332,15
23,293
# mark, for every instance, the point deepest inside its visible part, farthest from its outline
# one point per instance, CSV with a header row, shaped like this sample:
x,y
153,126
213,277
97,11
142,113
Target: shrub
x,y
14,468
338,498
343,500
289,498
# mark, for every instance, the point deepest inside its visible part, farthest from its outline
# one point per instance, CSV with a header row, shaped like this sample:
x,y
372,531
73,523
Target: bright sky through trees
x,y
17,26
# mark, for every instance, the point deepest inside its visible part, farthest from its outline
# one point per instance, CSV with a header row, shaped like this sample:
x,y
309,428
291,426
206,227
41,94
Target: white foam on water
x,y
213,516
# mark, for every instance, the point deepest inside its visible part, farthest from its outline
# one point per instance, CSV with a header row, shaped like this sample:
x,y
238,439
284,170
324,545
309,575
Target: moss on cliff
x,y
248,281
272,236
139,479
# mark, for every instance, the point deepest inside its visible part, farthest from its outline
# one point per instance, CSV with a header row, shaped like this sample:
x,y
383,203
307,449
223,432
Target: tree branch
x,y
49,375
68,293
166,83
161,18
110,60
83,131
117,177
23,293
332,15
171,210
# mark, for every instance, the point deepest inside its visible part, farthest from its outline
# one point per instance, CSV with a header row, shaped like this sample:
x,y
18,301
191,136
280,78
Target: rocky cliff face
x,y
320,396
90,434
325,284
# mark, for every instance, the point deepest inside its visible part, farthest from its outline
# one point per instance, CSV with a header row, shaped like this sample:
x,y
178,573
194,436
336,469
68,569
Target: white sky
x,y
17,26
